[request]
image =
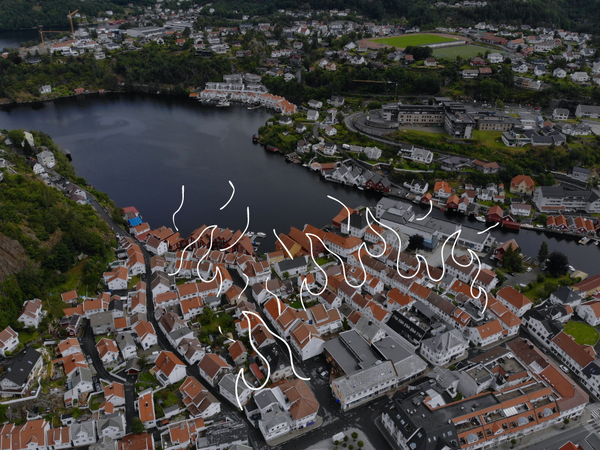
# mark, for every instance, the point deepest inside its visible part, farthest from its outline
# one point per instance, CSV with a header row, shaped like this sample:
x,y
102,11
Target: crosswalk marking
x,y
596,413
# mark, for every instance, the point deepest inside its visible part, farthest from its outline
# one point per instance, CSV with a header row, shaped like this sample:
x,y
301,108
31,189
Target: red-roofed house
x,y
108,350
238,353
145,406
514,300
487,334
212,368
9,339
590,312
198,401
168,368
522,184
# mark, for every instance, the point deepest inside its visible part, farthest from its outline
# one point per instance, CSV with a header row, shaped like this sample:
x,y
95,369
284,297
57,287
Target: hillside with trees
x,y
49,240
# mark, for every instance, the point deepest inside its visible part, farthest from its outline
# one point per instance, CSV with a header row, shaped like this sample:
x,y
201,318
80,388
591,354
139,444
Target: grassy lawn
x,y
490,139
583,333
134,280
297,305
534,293
322,260
26,337
147,377
412,39
464,51
95,403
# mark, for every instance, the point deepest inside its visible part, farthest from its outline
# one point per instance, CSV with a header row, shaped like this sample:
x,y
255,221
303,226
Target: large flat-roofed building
x,y
556,198
139,32
496,123
415,114
515,392
458,123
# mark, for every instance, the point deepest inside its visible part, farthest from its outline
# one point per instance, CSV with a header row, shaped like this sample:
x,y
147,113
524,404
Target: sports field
x,y
465,51
412,39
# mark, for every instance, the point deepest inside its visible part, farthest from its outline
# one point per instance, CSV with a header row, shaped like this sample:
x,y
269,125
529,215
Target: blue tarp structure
x,y
135,221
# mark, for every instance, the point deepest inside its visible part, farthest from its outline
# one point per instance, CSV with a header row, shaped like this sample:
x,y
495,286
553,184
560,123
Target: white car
x,y
529,269
564,368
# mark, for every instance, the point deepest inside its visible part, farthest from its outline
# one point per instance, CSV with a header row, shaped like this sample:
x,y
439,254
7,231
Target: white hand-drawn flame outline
x,y
230,198
240,373
213,227
243,232
282,244
419,257
279,302
180,206
309,235
427,215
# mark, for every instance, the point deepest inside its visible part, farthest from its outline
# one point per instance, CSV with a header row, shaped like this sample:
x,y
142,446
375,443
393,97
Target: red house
x,y
492,39
384,185
501,249
503,217
508,221
427,198
452,202
561,223
478,61
495,214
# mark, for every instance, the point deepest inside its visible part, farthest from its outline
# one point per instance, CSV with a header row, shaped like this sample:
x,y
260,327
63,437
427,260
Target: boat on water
x,y
255,138
260,234
480,218
250,108
596,242
361,188
223,103
584,240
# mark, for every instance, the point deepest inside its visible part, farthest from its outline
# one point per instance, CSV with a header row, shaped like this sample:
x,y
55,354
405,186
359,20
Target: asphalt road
x,y
574,435
88,345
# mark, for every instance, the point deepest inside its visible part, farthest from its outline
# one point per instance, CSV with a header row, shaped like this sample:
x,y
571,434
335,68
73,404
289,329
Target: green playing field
x,y
412,39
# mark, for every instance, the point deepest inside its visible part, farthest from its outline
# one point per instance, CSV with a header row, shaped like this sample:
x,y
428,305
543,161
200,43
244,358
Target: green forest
x,y
576,15
15,14
54,232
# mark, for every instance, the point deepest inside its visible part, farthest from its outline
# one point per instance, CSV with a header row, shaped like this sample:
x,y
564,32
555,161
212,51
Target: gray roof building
x,y
21,367
406,362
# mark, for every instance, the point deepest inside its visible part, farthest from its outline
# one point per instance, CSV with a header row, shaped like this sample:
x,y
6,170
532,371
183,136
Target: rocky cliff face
x,y
12,257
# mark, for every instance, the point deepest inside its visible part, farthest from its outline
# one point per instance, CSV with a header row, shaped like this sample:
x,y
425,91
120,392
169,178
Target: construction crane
x,y
70,16
381,82
42,33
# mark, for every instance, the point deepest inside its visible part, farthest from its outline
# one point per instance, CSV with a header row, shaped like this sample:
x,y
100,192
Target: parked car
x,y
564,368
325,374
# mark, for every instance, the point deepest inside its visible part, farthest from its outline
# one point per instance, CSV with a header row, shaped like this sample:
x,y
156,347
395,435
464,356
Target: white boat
x,y
584,240
222,103
361,188
260,234
254,107
480,218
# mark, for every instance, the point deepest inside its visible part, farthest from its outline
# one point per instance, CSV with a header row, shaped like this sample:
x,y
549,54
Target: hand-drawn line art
x,y
427,215
243,232
180,206
282,244
275,335
230,198
488,229
213,227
